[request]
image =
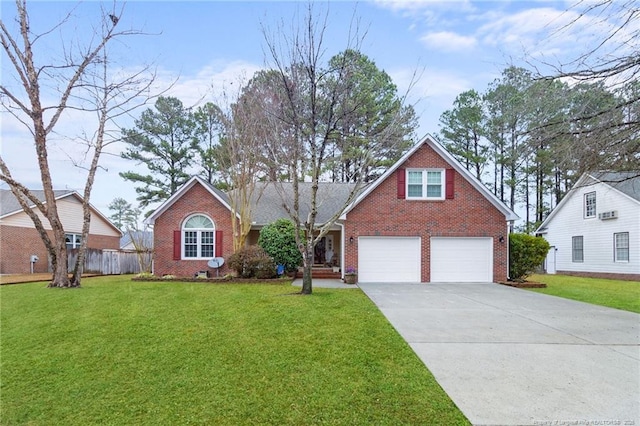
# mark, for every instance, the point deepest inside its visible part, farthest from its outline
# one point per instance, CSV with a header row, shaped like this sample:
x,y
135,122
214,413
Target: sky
x,y
432,50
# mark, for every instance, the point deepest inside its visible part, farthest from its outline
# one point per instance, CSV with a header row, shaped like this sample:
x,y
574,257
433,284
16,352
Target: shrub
x,y
251,262
526,253
278,239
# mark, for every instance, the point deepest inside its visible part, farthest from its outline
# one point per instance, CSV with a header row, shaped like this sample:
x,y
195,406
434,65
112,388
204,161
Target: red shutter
x,y
218,244
177,246
449,190
401,174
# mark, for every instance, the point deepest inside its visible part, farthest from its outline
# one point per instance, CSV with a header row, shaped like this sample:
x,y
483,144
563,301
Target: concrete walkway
x,y
508,356
324,283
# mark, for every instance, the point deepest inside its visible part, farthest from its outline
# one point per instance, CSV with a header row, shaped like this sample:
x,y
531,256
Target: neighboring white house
x,y
595,229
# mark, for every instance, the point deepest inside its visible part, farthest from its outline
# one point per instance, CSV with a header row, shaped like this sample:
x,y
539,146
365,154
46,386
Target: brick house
x,y
426,219
19,239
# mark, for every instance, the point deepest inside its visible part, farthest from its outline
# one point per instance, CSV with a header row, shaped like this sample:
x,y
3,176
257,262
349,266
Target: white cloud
x,y
210,83
448,41
420,7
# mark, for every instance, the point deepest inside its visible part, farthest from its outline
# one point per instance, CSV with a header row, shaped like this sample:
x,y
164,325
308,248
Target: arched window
x,y
198,238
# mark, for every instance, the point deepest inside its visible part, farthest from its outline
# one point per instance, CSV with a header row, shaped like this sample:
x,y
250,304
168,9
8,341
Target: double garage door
x,y
399,259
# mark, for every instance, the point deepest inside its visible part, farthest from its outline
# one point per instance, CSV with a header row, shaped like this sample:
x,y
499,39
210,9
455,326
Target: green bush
x,y
526,253
252,262
278,239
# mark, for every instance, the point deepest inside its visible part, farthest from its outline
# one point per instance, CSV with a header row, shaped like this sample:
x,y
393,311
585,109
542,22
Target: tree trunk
x,y
60,277
307,262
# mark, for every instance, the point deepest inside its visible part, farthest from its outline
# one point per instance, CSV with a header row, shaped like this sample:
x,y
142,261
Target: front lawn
x,y
123,352
617,294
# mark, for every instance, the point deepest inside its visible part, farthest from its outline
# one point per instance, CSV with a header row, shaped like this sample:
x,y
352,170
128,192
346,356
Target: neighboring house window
x,y
198,238
621,247
73,240
427,184
577,249
590,204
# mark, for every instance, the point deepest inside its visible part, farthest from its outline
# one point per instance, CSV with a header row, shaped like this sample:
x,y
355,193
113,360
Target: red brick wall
x,y
18,244
469,214
196,200
604,275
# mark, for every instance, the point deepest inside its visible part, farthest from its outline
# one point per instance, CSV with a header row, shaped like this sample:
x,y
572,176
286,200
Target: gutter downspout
x,y
342,245
509,225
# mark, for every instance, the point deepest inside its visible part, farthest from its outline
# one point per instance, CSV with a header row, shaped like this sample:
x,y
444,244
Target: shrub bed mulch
x,y
523,284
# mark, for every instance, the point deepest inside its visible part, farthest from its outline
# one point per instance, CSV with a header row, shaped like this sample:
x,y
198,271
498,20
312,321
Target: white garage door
x,y
461,259
389,259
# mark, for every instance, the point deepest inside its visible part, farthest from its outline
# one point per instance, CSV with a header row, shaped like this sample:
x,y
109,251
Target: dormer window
x,y
589,205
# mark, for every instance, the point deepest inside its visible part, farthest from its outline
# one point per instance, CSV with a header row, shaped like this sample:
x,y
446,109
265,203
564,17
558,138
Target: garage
x,y
461,259
389,259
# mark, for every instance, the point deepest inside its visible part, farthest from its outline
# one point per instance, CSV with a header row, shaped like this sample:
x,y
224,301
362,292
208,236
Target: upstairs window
x,y
590,204
198,238
426,184
621,247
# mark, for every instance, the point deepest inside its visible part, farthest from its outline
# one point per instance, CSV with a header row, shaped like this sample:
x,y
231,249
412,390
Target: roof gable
x,y
10,205
442,152
217,194
627,184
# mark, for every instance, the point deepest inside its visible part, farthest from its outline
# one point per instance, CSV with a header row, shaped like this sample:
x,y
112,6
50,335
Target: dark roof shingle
x,y
9,203
625,182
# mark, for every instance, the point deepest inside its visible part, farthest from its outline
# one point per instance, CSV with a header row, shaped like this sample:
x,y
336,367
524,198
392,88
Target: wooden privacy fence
x,y
108,262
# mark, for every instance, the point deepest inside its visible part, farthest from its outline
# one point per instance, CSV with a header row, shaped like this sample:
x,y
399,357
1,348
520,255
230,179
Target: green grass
x,y
617,294
119,352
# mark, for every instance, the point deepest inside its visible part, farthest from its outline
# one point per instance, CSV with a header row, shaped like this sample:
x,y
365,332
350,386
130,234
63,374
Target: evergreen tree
x,y
164,141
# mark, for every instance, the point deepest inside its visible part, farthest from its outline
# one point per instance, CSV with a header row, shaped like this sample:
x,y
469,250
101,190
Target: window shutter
x,y
401,174
218,244
449,178
177,245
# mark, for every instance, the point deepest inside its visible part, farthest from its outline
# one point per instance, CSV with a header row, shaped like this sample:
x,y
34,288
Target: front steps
x,y
321,272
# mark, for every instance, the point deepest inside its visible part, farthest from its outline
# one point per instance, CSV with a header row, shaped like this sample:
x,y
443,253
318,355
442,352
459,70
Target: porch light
x,y
501,239
351,239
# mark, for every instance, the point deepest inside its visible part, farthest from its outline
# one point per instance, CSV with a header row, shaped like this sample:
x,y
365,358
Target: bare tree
x,y
85,85
318,100
240,155
614,62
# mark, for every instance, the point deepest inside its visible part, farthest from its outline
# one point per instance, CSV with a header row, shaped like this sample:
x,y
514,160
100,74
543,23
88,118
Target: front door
x,y
324,251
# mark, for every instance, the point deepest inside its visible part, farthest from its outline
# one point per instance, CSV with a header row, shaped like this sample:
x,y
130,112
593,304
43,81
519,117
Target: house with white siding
x,y
595,229
21,248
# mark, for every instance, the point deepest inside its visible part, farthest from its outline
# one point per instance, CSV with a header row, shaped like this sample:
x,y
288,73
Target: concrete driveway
x,y
508,356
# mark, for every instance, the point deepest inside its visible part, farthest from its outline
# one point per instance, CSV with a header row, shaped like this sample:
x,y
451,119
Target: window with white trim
x,y
577,249
198,238
590,204
73,241
621,247
425,184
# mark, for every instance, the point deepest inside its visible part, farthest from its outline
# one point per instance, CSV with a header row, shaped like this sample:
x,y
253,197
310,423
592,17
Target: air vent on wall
x,y
608,215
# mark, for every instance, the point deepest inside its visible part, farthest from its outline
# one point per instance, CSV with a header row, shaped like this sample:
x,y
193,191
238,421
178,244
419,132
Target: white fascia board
x,y
428,139
179,193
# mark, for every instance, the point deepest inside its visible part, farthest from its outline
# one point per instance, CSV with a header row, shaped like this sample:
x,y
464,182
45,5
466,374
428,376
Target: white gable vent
x,y
608,215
